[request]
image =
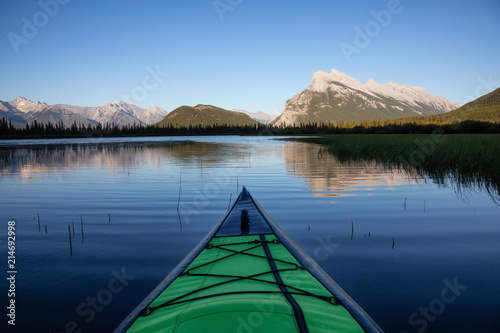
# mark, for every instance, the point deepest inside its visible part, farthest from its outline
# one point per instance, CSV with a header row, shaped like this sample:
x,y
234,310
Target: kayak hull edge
x,y
364,320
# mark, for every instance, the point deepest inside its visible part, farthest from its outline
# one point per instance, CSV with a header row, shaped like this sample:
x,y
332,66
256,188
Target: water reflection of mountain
x,y
209,153
31,161
327,177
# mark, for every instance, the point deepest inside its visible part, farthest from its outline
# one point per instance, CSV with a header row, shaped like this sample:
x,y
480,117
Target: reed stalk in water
x,y
179,201
83,235
469,161
70,246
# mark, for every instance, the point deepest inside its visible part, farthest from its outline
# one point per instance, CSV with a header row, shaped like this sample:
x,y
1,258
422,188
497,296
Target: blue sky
x,y
251,55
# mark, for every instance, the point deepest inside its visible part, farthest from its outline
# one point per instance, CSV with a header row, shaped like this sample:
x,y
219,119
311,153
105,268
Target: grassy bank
x,y
469,160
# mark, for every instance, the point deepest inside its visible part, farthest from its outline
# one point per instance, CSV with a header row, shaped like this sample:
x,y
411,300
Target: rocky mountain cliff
x,y
337,97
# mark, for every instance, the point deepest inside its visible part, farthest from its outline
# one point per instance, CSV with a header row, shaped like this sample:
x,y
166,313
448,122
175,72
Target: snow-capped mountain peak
x,y
21,110
336,96
26,105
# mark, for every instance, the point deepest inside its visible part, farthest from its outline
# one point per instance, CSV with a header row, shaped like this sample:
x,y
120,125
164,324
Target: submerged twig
x,y
83,235
179,201
352,228
70,246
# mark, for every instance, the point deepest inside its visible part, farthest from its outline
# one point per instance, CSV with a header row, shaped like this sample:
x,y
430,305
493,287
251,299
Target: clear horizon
x,y
243,55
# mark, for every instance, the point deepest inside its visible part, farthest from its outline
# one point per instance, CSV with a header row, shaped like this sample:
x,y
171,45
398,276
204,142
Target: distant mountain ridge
x,y
22,111
336,97
488,100
484,109
205,115
259,116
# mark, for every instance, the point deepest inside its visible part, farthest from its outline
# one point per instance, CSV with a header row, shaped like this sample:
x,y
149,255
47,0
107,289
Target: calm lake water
x,y
415,254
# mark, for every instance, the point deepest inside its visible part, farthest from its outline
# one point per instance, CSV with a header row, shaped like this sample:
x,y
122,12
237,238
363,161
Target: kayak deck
x,y
247,276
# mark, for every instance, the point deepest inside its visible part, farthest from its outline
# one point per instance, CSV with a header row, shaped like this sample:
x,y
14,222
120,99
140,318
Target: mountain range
x,y
336,97
331,97
21,111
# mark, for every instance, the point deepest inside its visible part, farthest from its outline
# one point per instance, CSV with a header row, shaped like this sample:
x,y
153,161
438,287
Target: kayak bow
x,y
247,276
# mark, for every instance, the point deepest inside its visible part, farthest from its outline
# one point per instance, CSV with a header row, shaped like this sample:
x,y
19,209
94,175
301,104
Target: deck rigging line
x,y
297,311
285,289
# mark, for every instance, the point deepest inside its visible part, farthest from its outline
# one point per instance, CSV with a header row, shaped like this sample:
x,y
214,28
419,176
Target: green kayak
x,y
248,276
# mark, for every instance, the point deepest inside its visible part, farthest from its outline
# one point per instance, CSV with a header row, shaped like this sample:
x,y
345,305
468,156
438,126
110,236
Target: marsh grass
x,y
469,161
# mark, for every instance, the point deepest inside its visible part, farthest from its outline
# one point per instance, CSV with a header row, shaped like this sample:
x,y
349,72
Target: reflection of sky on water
x,y
28,163
324,175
